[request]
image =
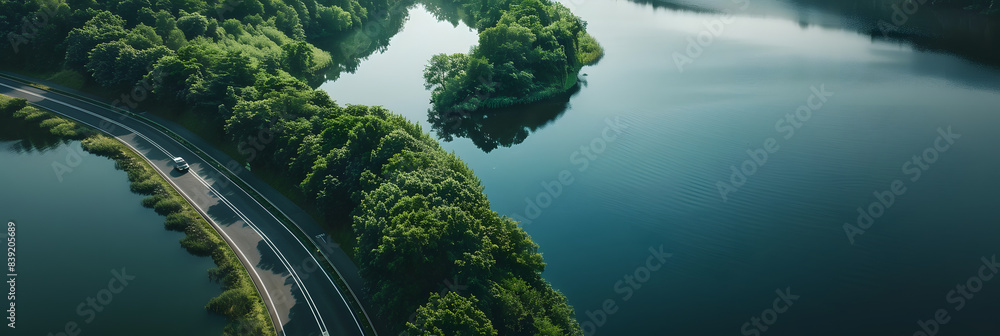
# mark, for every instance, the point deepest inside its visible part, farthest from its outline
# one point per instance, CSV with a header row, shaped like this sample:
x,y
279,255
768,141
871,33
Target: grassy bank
x,y
413,207
212,131
240,302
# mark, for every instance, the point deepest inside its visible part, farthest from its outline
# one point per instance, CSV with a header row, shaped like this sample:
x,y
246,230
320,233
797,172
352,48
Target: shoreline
x,y
325,255
201,237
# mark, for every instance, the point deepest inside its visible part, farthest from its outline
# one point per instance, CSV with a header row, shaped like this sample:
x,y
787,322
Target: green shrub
x,y
151,201
69,130
30,113
247,326
240,303
145,187
52,122
178,221
167,206
102,145
234,303
199,246
9,105
136,172
590,50
69,78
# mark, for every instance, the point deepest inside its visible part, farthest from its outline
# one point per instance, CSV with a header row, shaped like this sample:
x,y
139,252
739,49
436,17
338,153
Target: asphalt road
x,y
301,297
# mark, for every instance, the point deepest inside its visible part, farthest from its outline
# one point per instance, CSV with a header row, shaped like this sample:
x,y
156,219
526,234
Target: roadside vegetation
x,y
240,302
416,213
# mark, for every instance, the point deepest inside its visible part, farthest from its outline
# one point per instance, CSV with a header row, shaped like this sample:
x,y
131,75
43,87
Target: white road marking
x,y
336,288
314,310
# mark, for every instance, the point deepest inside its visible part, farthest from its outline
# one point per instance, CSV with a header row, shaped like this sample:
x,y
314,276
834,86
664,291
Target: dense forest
x,y
417,212
528,51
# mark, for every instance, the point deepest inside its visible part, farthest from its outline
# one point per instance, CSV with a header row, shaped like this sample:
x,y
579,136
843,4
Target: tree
x,y
115,63
298,58
165,23
175,39
333,19
451,315
104,27
443,68
415,208
233,303
131,10
143,37
193,24
530,50
233,27
237,69
507,43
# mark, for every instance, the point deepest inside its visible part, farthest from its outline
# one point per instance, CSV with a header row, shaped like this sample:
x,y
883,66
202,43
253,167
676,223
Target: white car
x,y
180,164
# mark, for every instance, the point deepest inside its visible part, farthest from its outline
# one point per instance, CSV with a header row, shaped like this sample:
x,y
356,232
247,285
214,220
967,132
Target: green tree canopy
x,y
451,315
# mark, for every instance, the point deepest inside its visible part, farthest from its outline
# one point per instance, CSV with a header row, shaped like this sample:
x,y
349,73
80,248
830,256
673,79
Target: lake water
x,y
81,236
653,181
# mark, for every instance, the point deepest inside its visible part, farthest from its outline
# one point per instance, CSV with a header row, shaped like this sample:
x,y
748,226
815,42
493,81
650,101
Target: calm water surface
x,y
656,184
73,234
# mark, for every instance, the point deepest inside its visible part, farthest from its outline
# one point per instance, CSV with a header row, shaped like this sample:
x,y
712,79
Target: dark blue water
x,y
657,183
81,237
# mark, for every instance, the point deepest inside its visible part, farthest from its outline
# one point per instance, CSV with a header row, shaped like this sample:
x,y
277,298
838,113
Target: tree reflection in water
x,y
506,127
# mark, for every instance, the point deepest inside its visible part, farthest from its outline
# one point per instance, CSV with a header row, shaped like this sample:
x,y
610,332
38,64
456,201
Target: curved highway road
x,y
301,297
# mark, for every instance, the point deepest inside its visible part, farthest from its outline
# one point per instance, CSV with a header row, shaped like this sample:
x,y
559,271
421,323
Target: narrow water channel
x,y
90,258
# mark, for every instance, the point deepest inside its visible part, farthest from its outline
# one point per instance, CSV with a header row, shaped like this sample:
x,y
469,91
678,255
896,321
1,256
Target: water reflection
x,y
350,48
504,127
680,6
489,129
18,137
448,11
966,32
